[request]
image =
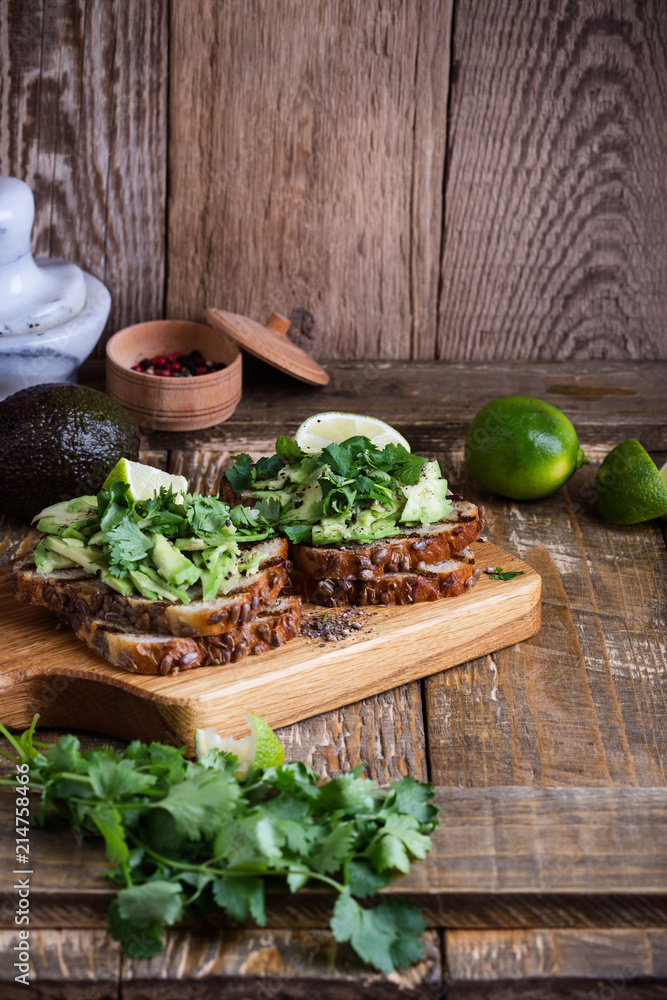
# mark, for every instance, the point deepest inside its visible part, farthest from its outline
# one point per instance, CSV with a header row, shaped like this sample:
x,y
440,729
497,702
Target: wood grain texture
x,y
83,120
321,194
66,964
576,704
294,965
555,210
555,963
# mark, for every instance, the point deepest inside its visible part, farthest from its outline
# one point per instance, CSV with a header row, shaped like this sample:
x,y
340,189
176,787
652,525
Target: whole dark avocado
x,y
58,441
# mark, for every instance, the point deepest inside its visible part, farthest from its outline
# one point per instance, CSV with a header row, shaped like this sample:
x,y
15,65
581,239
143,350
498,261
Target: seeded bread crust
x,y
72,590
448,578
140,653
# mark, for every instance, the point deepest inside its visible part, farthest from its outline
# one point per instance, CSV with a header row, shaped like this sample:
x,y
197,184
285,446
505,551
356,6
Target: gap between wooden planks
x,y
501,857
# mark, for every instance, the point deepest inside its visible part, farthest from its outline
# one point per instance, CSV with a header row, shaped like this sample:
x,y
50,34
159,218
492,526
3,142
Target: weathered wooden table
x,y
548,875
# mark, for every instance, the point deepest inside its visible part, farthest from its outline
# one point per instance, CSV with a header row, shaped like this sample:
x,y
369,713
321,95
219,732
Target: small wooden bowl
x,y
174,404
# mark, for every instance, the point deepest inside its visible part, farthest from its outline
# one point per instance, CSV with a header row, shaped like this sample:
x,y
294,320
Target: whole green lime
x,y
628,486
522,448
58,441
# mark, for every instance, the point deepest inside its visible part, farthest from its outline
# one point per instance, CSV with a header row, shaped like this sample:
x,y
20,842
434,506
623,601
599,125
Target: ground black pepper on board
x,y
328,627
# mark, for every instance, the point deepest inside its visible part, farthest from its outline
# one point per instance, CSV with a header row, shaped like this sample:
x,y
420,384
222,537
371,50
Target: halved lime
x,y
260,747
628,486
323,429
144,480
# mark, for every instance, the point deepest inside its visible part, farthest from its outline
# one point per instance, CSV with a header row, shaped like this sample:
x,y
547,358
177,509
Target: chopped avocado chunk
x,y
426,501
87,557
212,579
306,504
151,586
172,564
190,544
46,560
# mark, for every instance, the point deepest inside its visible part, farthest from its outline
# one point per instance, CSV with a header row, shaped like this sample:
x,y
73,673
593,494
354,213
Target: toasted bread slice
x,y
139,652
409,552
71,590
448,578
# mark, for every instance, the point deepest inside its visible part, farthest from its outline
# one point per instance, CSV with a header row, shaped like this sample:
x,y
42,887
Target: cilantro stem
x,y
237,873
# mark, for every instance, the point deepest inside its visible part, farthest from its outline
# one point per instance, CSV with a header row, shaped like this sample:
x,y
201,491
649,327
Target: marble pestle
x,y
33,295
51,312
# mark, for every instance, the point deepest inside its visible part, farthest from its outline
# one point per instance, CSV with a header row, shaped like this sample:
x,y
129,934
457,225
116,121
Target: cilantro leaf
x,y
348,793
268,468
269,509
240,475
412,797
156,901
197,805
363,880
111,779
108,821
127,543
333,848
288,449
509,575
385,936
138,942
297,532
241,895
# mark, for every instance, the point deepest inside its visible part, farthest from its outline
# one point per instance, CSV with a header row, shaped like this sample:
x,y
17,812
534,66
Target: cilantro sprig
x,y
185,839
499,574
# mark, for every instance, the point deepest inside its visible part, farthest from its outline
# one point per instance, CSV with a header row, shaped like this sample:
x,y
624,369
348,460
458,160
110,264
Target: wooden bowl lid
x,y
269,343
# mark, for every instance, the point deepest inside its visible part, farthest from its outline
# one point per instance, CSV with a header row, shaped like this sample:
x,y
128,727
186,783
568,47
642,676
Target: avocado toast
x,y
367,525
155,586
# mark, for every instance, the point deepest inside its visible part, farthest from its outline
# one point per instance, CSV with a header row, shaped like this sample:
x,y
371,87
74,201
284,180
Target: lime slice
x,y
663,473
322,429
144,481
628,486
260,747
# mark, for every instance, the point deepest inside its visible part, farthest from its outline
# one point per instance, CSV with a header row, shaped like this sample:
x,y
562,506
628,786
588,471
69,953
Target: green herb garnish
x,y
351,490
185,838
509,575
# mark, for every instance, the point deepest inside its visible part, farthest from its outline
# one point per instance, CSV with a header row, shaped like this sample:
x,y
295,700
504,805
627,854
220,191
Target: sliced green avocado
x,y
81,511
306,504
426,501
172,564
46,560
151,586
90,559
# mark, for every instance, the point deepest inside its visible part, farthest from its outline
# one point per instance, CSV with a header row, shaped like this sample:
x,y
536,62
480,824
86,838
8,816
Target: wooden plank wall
x,y
408,179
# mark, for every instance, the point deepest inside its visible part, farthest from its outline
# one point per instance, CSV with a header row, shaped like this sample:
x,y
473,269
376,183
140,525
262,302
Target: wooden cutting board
x,y
49,671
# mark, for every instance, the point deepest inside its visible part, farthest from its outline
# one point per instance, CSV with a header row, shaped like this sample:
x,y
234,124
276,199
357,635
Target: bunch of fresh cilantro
x,y
185,839
352,476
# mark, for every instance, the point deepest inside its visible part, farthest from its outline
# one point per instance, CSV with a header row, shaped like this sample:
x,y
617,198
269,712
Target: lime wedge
x,y
323,429
663,473
628,486
260,747
144,481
